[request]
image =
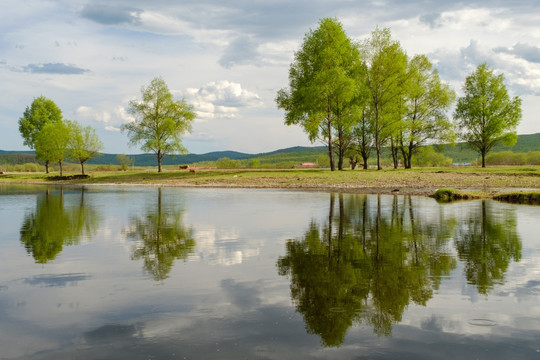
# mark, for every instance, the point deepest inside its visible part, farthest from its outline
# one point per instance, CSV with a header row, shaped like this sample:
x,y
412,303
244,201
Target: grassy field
x,y
416,181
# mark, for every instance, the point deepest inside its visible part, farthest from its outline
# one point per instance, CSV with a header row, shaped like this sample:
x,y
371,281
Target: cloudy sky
x,y
229,58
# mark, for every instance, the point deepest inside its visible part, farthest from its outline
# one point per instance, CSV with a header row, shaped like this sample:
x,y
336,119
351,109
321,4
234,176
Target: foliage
x,y
226,163
486,115
427,100
41,112
160,121
323,83
52,142
84,144
511,158
426,156
386,77
124,161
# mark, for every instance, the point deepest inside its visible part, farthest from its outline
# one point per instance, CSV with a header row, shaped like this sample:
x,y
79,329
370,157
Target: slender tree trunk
x,y
379,167
47,167
394,151
159,156
82,167
331,148
483,159
61,170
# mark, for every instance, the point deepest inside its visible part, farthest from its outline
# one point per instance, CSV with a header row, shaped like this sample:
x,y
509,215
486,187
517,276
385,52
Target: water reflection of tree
x,y
161,238
487,243
365,266
52,225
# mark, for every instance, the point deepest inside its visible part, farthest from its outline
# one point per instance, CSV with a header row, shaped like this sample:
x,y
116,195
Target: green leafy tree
x,y
386,78
84,144
427,100
160,121
52,142
161,237
124,161
41,112
323,82
486,115
363,138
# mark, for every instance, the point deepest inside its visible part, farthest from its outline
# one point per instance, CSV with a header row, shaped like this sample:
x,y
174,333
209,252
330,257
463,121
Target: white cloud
x,y
221,99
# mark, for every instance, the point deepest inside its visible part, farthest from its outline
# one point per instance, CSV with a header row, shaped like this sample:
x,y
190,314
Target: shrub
x,y
426,156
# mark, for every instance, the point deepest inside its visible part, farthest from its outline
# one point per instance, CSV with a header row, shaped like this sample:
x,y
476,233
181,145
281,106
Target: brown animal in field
x,y
191,170
183,167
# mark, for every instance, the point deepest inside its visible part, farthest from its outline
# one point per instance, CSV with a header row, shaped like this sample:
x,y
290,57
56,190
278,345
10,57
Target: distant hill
x,y
464,153
459,153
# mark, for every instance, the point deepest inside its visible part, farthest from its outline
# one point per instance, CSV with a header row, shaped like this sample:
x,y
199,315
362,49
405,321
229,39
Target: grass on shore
x,y
424,180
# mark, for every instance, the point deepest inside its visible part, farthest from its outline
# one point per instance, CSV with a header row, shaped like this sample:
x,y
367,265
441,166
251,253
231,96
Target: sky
x,y
229,58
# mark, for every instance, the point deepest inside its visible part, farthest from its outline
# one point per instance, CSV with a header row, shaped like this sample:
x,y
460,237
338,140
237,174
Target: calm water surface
x,y
149,273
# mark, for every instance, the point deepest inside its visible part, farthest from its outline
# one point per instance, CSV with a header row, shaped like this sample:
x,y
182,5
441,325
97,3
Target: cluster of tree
x,y
54,138
356,98
372,257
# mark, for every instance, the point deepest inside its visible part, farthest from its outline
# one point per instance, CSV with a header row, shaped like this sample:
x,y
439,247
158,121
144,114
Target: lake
x,y
165,273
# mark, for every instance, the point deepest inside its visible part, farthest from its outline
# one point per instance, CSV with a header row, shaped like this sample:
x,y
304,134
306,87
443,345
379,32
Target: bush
x,y
226,163
511,158
426,156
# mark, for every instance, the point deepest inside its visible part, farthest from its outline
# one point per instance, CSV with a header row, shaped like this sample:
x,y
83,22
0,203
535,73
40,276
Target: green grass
x,y
424,180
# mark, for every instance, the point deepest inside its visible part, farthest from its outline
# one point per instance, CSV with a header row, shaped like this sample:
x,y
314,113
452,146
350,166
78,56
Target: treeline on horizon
x,y
526,151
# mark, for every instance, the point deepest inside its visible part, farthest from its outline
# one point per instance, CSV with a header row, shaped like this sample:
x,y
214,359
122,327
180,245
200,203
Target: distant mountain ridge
x,y
459,153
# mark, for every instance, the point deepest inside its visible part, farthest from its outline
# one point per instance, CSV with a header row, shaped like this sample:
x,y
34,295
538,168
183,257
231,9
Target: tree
x,y
41,112
486,116
52,142
84,144
160,121
427,100
323,82
124,161
386,76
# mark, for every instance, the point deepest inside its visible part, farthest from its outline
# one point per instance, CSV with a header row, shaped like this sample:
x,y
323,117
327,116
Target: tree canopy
x,y
41,112
52,142
160,121
84,144
323,85
486,115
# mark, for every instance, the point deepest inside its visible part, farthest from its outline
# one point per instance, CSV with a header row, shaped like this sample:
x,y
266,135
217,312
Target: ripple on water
x,y
482,322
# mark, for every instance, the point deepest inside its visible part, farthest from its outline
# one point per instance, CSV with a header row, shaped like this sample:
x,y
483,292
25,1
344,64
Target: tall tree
x,y
386,76
486,115
52,143
322,86
41,112
84,144
427,100
160,121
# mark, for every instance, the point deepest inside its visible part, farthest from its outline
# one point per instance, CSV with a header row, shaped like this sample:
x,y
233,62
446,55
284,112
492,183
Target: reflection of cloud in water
x,y
222,247
246,296
58,280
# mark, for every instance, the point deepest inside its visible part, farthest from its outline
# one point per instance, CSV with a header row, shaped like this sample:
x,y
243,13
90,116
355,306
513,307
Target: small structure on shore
x,y
306,165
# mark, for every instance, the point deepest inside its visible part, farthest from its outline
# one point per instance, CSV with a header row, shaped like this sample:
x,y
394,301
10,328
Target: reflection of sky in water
x,y
226,299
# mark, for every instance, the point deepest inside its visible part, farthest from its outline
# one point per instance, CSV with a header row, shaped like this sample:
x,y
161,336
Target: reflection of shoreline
x,y
372,257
